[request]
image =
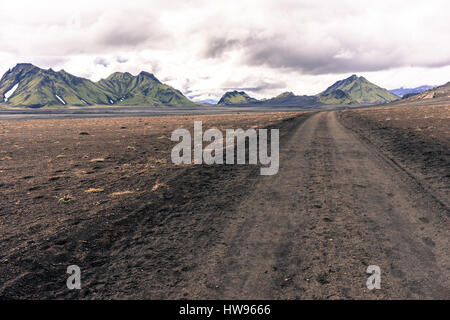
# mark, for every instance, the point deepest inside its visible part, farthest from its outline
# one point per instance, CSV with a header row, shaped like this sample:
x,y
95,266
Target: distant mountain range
x,y
207,101
236,97
438,93
353,90
288,99
408,91
29,86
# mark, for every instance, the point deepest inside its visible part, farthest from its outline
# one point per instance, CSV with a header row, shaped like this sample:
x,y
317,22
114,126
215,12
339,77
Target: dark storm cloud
x,y
119,37
318,59
279,53
216,47
280,57
128,28
340,55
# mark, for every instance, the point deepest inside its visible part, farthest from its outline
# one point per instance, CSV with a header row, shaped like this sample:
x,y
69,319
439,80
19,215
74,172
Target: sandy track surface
x,y
336,206
416,138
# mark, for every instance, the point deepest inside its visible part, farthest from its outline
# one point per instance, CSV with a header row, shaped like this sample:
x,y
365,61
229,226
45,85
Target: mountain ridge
x,y
36,87
30,86
358,90
236,98
401,92
439,92
352,90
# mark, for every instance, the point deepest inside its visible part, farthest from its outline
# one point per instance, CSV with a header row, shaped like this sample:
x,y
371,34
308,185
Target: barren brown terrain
x,y
416,137
355,188
74,192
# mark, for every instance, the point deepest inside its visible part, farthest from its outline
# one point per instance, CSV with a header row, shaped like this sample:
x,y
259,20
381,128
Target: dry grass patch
x,y
94,190
121,193
159,185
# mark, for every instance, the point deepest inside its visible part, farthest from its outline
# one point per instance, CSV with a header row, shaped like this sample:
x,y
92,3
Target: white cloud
x,y
206,47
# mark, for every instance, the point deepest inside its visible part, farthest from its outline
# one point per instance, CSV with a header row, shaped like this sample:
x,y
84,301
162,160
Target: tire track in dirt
x,y
334,208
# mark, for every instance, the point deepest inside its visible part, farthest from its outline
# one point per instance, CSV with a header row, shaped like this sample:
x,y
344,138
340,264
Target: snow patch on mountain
x,y
11,91
60,99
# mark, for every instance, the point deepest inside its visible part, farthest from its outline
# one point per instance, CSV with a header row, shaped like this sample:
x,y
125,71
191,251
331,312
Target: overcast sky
x,y
205,48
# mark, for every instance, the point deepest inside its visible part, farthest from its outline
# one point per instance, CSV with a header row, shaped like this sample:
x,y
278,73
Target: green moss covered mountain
x,y
29,86
143,89
288,99
236,98
337,96
353,90
240,98
356,90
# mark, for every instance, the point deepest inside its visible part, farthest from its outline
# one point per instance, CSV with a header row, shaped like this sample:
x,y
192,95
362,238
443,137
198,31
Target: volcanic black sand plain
x,y
355,188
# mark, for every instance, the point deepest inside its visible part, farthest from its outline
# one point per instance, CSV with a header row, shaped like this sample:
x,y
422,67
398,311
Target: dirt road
x,y
335,207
